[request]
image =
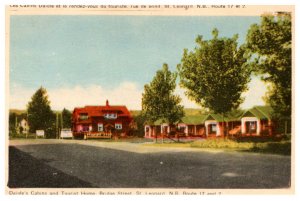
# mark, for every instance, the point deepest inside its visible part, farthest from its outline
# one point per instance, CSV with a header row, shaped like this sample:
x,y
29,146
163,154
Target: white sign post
x,y
40,133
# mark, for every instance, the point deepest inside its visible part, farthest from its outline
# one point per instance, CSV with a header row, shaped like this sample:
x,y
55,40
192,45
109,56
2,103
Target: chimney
x,y
107,104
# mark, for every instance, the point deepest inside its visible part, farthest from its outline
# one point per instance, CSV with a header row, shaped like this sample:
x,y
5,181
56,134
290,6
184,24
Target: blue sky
x,y
68,52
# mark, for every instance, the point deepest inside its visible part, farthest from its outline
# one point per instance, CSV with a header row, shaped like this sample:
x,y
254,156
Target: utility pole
x,y
27,124
57,131
16,124
61,121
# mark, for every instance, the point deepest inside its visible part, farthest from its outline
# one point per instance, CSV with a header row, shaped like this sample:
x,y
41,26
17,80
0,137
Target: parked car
x,y
66,133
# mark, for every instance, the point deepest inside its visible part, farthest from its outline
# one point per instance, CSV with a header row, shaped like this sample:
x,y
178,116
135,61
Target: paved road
x,y
70,164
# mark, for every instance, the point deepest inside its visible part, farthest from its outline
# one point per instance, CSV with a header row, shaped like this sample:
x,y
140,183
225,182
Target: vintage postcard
x,y
149,99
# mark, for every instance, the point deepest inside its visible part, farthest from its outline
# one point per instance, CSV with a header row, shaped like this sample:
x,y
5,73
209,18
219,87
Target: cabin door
x,y
251,127
212,129
109,128
165,129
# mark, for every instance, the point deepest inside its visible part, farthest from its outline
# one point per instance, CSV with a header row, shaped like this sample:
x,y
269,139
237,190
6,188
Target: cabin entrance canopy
x,y
250,125
256,119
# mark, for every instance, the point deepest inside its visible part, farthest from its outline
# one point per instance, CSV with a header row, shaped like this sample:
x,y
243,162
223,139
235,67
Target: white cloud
x,y
254,96
127,93
187,103
19,96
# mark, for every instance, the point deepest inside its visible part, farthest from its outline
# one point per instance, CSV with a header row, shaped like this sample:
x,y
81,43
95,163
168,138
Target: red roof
x,y
101,110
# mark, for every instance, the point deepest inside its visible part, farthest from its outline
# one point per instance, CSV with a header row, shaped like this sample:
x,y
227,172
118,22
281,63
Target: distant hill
x,y
192,111
135,112
187,112
17,111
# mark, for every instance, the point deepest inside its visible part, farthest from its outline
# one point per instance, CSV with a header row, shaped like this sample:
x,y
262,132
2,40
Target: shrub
x,y
282,147
222,143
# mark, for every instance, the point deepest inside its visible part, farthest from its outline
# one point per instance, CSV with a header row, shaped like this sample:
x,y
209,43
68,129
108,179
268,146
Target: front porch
x,y
92,135
105,135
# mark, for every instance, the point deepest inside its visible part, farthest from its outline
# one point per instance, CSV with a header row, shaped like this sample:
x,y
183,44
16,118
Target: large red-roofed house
x,y
101,121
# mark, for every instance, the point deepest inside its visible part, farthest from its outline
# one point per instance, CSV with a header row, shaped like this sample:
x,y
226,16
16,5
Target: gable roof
x,y
260,112
217,117
160,121
198,119
232,116
96,111
220,118
193,120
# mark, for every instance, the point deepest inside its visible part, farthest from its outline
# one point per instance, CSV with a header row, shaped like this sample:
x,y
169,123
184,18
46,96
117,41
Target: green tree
x,y
158,99
270,43
40,115
139,121
66,118
216,73
12,123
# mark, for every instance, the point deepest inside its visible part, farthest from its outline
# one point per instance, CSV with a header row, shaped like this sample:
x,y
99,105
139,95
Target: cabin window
x,y
83,116
182,129
100,127
85,128
110,116
118,126
165,129
213,128
252,125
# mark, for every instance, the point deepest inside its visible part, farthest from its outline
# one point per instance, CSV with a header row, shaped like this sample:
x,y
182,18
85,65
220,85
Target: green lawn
x,y
22,136
282,147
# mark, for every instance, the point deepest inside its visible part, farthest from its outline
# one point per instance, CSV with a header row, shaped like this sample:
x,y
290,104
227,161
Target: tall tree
x,y
12,122
159,101
270,43
216,73
138,124
40,115
66,118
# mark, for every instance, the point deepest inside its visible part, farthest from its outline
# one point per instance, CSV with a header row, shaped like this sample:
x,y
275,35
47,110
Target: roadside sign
x,y
40,133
